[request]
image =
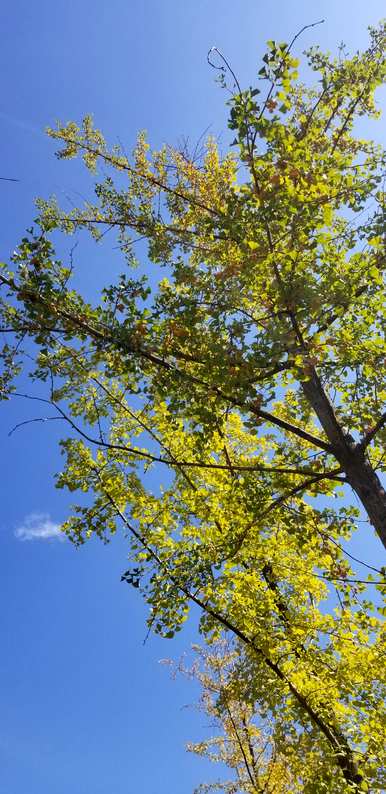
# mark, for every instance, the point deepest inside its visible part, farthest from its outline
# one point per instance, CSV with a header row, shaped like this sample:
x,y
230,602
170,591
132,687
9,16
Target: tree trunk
x,y
367,485
359,473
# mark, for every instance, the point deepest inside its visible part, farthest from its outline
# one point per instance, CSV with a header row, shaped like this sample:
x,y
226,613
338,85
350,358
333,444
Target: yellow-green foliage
x,y
272,298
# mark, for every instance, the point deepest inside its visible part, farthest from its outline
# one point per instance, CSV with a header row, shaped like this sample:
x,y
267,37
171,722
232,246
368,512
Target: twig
x,y
29,421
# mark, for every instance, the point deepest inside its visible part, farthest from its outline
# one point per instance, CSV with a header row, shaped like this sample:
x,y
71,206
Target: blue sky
x,y
85,707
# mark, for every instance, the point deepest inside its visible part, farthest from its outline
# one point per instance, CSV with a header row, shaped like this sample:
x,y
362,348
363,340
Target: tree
x,y
253,375
240,743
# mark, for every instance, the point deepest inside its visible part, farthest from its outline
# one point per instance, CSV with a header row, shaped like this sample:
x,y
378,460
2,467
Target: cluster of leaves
x,y
252,376
241,743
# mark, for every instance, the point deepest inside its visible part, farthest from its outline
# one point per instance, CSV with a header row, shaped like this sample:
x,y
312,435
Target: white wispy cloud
x,y
38,526
20,123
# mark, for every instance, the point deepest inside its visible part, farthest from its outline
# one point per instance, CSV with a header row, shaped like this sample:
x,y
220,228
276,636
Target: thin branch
x,y
288,49
367,439
173,462
349,581
30,421
221,68
305,27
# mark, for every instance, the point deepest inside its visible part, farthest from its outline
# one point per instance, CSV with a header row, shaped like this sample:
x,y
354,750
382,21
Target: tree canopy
x,y
252,376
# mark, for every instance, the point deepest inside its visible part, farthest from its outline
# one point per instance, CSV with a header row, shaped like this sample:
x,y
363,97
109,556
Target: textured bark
x,y
359,473
368,487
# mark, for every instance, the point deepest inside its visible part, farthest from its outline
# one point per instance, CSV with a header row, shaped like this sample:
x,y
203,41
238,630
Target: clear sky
x,y
85,707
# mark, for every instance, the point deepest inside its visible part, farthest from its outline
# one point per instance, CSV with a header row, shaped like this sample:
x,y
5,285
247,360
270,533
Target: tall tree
x,y
253,373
